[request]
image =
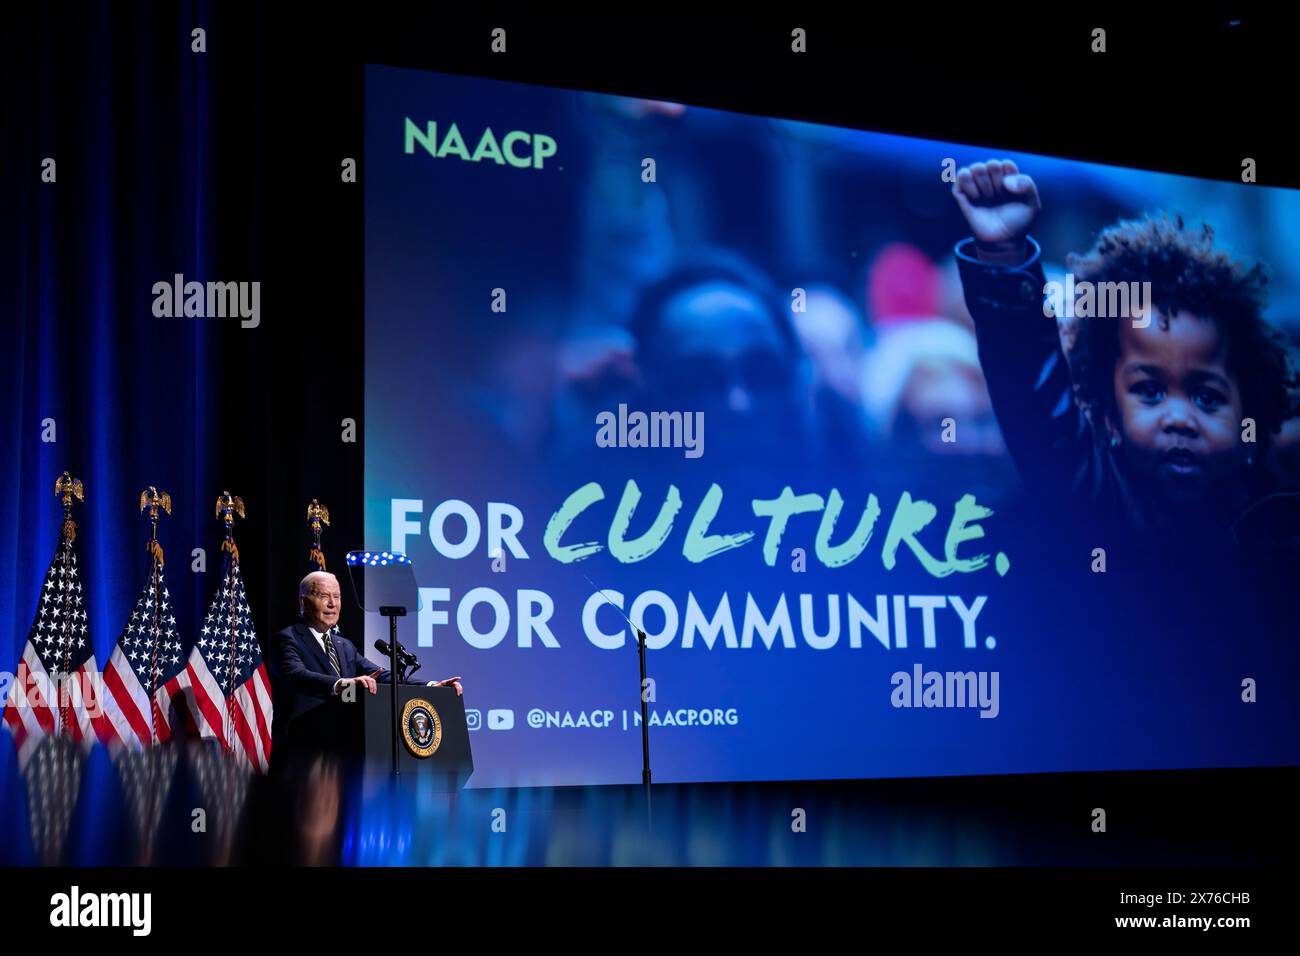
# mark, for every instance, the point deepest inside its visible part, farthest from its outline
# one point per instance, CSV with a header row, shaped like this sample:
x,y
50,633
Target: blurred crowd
x,y
685,299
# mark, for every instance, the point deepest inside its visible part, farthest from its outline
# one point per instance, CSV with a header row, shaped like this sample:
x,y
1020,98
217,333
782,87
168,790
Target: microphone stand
x,y
393,613
645,707
645,725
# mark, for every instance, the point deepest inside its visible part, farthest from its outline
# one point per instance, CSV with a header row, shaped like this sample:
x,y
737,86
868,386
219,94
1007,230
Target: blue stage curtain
x,y
123,105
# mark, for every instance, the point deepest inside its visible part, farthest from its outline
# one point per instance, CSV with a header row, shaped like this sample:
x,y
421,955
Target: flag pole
x,y
152,499
228,506
317,515
66,487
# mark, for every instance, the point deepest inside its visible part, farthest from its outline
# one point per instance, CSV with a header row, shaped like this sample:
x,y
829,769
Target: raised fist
x,y
998,201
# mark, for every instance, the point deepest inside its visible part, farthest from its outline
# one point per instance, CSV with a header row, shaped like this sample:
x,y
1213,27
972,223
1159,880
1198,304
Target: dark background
x,y
226,165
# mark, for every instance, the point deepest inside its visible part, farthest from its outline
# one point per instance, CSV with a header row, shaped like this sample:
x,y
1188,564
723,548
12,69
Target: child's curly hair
x,y
1185,272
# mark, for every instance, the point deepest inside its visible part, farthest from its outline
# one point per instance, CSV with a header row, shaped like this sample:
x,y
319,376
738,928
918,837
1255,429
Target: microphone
x,y
407,657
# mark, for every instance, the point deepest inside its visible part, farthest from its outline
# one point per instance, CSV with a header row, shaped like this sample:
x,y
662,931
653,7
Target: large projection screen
x,y
720,373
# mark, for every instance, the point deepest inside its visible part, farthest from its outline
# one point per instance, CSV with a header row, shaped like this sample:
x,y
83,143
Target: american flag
x,y
142,677
146,777
224,781
55,691
53,775
226,686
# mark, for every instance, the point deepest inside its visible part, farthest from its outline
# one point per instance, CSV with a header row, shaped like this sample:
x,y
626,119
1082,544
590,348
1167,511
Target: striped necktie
x,y
333,654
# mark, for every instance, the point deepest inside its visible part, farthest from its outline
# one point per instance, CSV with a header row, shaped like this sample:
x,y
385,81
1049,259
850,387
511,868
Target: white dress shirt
x,y
320,639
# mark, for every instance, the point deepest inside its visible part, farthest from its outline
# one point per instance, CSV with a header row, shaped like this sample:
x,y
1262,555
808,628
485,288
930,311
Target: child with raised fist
x,y
1150,419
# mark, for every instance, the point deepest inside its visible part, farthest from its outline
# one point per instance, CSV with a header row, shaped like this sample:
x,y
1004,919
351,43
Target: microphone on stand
x,y
645,715
411,662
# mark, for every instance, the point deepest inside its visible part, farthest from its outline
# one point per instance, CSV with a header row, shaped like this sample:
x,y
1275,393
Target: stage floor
x,y
193,808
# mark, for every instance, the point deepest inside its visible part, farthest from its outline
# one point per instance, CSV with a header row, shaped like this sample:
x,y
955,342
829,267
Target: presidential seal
x,y
421,727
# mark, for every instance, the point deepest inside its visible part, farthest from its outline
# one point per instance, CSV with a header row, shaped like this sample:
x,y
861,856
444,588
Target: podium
x,y
433,735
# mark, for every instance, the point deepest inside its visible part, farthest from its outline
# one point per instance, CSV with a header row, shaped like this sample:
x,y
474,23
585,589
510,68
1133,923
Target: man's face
x,y
320,605
1180,409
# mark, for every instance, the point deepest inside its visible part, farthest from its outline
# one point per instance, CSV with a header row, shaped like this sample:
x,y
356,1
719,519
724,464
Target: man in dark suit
x,y
312,666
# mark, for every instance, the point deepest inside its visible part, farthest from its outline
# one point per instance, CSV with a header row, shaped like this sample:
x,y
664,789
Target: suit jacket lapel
x,y
307,639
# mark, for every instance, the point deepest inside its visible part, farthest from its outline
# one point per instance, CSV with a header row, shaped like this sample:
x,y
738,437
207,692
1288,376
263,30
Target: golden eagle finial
x,y
317,515
318,510
66,487
229,503
152,499
228,506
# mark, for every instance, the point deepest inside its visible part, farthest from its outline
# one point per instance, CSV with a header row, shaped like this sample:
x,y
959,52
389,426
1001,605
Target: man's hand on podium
x,y
366,680
450,681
